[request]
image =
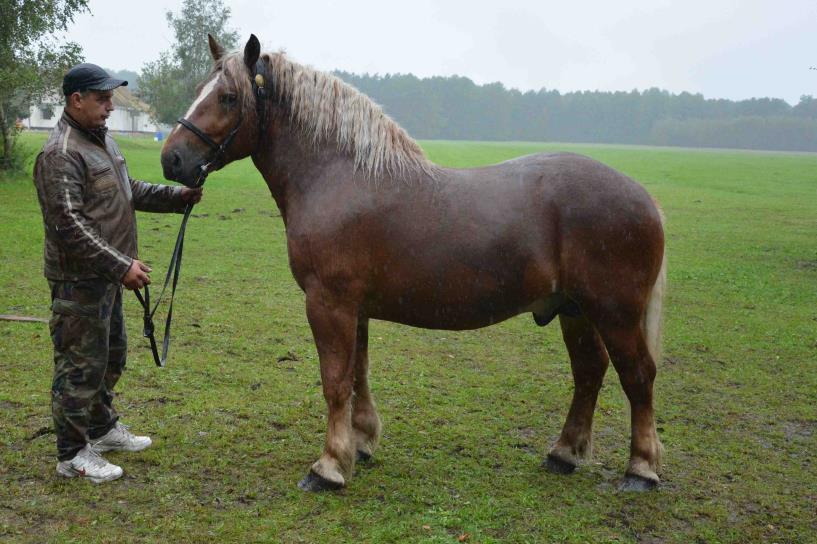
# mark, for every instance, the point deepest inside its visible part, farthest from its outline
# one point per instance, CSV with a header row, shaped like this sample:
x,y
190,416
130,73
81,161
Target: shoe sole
x,y
71,474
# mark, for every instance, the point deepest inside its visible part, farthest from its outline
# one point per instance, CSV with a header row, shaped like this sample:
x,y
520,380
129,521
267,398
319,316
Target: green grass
x,y
467,416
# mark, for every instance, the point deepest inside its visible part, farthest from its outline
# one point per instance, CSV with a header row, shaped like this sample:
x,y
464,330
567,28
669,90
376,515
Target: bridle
x,y
259,88
259,81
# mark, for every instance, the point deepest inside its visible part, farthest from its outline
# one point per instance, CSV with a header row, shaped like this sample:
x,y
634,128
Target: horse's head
x,y
223,123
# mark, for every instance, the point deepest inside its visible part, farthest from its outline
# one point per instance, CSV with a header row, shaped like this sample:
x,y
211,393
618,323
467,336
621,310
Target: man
x,y
88,201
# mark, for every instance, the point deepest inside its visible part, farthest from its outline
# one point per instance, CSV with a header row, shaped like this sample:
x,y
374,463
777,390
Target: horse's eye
x,y
228,99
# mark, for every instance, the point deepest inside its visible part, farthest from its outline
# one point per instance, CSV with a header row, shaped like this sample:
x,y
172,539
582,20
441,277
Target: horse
x,y
375,230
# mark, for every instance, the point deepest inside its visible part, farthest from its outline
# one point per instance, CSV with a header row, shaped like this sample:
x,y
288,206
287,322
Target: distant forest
x,y
456,108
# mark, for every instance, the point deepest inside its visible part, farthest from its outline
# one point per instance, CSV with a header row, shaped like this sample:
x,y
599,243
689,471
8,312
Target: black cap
x,y
89,77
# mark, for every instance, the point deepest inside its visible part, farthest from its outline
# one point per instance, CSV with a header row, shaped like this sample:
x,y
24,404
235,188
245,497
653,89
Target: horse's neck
x,y
291,165
296,169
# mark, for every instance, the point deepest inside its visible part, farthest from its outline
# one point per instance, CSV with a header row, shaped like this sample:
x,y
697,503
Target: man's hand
x,y
137,275
192,195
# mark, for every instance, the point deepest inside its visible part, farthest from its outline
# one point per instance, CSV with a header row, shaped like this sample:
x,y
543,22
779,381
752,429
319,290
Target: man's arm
x,y
151,197
62,189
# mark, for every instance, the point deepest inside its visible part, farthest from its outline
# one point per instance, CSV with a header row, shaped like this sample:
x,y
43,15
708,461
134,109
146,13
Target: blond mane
x,y
329,111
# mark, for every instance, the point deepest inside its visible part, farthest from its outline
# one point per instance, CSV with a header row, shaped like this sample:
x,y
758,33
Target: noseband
x,y
261,95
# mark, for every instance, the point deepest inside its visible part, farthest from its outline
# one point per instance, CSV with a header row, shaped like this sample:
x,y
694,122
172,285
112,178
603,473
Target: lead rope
x,y
261,94
173,269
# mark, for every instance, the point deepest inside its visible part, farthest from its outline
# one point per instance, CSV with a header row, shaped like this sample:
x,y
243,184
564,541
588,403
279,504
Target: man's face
x,y
92,110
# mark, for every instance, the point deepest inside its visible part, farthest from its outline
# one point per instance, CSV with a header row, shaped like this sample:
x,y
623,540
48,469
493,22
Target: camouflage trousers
x,y
90,350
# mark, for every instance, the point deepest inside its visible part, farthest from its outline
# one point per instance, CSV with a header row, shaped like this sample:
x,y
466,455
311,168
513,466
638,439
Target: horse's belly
x,y
446,318
441,312
463,287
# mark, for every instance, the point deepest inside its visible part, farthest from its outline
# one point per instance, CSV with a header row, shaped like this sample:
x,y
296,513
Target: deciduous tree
x,y
168,83
32,59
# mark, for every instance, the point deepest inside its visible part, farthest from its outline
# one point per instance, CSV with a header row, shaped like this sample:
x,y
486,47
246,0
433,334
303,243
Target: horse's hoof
x,y
315,482
363,457
557,466
631,482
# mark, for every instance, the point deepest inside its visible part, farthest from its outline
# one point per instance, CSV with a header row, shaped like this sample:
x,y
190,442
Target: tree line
x,y
456,108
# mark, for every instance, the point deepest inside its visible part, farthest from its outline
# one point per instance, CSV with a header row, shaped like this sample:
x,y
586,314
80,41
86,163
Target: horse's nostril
x,y
172,164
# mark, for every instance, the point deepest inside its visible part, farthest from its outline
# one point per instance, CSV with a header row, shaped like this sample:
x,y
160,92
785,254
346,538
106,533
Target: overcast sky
x,y
732,49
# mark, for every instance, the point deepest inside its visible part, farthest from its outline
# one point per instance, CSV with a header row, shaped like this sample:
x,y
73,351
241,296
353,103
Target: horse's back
x,y
560,193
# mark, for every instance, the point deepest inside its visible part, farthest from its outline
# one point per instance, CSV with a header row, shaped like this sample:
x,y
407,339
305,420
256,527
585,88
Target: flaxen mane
x,y
328,110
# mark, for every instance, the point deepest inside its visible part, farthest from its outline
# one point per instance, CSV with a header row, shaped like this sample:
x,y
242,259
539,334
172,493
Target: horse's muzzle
x,y
177,167
172,165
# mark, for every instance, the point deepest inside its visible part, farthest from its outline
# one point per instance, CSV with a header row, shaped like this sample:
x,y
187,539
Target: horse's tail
x,y
653,318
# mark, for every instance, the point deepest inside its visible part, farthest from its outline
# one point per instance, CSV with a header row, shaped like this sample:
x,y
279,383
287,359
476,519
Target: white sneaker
x,y
120,439
89,465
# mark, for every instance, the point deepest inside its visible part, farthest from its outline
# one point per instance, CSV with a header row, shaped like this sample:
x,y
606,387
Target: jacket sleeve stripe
x,y
65,139
103,246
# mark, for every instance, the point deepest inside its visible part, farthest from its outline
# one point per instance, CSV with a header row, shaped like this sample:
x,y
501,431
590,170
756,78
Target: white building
x,y
130,115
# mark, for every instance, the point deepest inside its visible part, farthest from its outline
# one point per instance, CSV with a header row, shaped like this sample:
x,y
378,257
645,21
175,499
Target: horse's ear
x,y
251,52
215,49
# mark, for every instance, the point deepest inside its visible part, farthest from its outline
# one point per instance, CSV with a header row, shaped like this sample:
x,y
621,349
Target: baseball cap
x,y
89,77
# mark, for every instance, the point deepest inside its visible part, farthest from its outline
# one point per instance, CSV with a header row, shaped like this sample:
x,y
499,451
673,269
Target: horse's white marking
x,y
206,90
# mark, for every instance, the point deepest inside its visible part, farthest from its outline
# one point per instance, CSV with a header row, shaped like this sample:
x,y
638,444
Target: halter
x,y
261,95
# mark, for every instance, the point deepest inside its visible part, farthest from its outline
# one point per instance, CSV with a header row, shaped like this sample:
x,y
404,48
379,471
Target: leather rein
x,y
219,150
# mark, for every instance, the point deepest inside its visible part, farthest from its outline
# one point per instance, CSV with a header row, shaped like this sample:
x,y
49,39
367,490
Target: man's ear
x,y
73,99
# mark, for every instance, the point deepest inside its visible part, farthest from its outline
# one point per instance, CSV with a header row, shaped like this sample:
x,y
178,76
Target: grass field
x,y
237,417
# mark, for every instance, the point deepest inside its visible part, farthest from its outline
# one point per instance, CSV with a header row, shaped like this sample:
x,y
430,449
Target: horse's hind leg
x,y
365,421
334,327
636,370
588,360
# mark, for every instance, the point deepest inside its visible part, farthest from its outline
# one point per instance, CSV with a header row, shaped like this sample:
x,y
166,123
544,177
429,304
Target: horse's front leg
x,y
334,326
365,421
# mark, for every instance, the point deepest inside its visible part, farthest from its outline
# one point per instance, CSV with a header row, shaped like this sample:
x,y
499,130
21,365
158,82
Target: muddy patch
x,y
799,429
525,438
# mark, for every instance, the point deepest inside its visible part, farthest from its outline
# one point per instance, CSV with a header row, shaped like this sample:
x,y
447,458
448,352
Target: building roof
x,y
124,99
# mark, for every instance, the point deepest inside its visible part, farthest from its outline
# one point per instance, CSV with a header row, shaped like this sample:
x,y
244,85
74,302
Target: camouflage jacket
x,y
88,200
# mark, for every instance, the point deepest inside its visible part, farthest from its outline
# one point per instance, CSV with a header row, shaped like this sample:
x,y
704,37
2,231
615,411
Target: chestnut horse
x,y
376,231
